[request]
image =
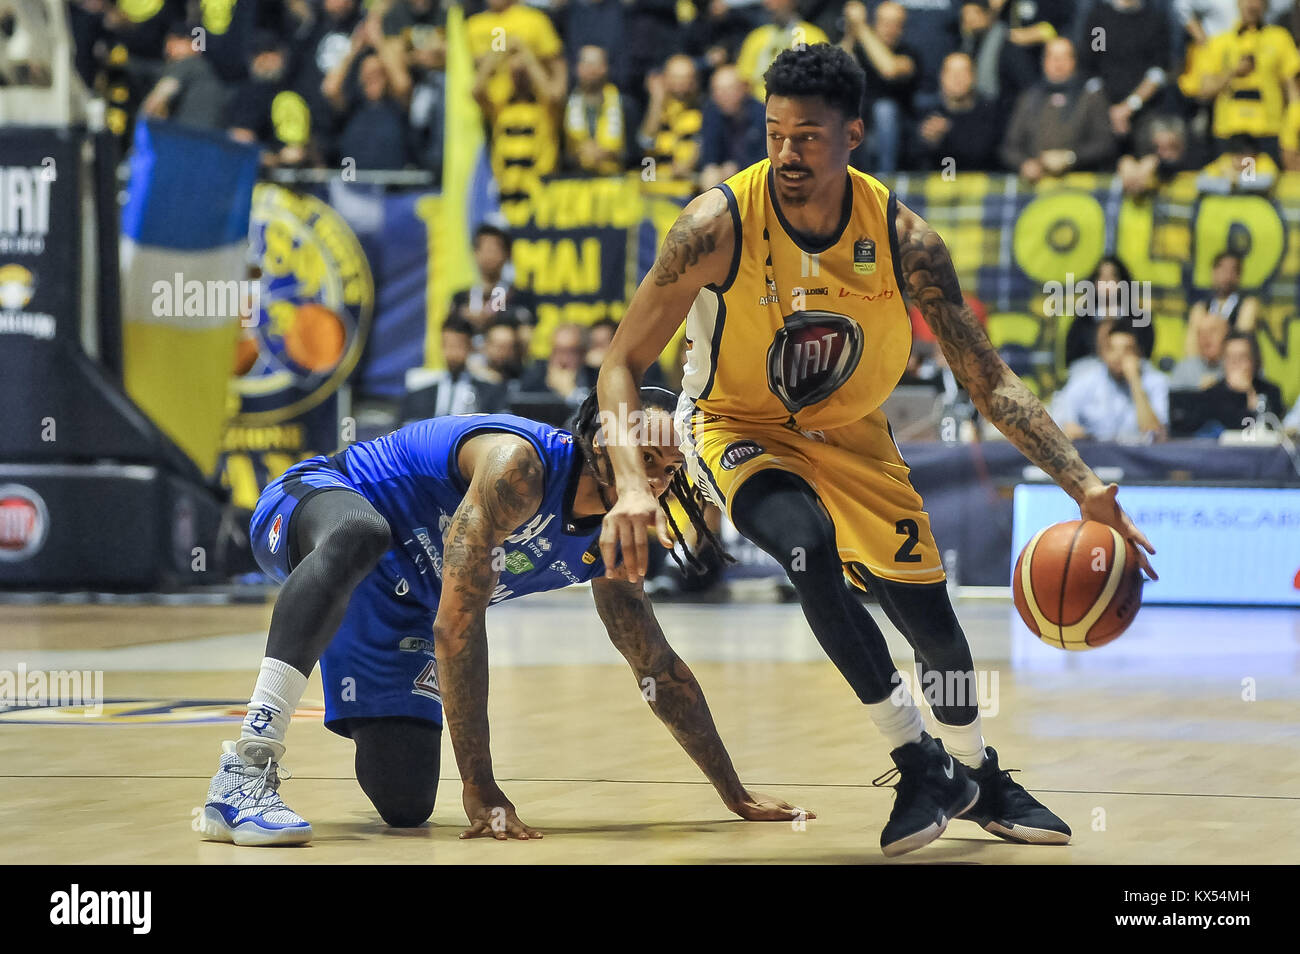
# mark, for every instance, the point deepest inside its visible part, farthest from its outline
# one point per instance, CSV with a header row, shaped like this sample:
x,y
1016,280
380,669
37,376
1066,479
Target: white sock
x,y
897,717
275,697
965,743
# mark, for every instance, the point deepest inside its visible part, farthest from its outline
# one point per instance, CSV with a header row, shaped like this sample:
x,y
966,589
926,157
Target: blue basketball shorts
x,y
380,663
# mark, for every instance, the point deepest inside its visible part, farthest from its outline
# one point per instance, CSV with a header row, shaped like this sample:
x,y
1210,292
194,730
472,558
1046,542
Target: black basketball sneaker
x,y
932,789
1005,809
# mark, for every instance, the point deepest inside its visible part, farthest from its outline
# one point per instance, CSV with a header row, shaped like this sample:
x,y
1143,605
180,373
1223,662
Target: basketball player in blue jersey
x,y
390,553
792,277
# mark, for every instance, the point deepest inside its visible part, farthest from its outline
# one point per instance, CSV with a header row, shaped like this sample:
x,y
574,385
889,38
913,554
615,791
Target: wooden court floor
x,y
1177,744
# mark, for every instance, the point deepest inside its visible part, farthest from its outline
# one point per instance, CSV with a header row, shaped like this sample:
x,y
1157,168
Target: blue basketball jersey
x,y
412,478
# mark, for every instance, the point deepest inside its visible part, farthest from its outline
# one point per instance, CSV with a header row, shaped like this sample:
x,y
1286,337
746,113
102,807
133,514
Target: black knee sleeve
x,y
923,613
397,766
341,538
349,534
781,514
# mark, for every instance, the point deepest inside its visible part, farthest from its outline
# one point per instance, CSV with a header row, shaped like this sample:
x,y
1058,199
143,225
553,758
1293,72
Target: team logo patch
x,y
815,353
517,562
589,558
273,537
864,256
739,452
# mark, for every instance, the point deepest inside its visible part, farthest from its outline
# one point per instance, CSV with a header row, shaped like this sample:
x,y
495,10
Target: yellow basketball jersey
x,y
816,336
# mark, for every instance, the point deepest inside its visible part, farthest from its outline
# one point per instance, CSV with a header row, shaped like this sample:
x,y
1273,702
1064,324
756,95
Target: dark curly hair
x,y
819,70
585,423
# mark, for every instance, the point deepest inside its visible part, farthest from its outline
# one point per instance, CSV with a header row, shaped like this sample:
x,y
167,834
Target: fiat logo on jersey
x,y
815,353
24,522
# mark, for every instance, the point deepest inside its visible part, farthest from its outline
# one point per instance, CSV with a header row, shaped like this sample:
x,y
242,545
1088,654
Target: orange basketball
x,y
315,338
1077,585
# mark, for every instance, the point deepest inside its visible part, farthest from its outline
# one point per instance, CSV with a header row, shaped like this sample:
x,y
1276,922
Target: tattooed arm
x,y
505,479
696,252
930,281
668,684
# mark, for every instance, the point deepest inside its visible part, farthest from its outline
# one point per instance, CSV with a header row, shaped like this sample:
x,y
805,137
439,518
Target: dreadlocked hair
x,y
585,424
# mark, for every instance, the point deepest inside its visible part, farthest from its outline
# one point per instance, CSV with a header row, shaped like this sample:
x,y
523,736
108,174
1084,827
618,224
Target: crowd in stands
x,y
1146,88
1114,392
673,89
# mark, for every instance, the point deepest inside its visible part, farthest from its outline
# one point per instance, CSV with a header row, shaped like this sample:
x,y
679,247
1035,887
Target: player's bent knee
x,y
405,813
356,543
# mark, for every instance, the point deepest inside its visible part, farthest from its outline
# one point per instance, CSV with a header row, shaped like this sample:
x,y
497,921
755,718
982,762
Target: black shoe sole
x,y
962,804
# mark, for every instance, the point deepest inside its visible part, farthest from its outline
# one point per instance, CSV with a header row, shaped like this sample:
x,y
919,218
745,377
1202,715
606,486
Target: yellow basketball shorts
x,y
855,470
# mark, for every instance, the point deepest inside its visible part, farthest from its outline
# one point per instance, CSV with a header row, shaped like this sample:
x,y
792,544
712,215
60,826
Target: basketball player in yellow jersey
x,y
795,273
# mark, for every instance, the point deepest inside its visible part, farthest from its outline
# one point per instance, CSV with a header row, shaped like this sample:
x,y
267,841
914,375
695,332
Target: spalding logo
x,y
739,452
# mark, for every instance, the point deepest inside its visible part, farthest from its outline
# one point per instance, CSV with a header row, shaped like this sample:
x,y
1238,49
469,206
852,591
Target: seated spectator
x,y
322,35
497,39
415,30
564,373
1162,152
599,335
892,81
1244,166
454,389
1225,302
492,297
1242,393
1062,124
600,23
189,91
932,30
765,43
1085,341
715,36
524,143
981,38
1200,370
1249,73
500,359
670,131
1122,399
596,119
653,34
734,133
1134,65
1031,25
959,125
370,91
267,111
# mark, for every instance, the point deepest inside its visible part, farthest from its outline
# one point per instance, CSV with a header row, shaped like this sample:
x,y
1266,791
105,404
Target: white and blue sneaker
x,y
243,805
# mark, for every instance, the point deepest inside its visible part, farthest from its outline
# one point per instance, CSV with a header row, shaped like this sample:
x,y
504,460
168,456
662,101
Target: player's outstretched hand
x,y
491,815
759,807
1101,504
625,528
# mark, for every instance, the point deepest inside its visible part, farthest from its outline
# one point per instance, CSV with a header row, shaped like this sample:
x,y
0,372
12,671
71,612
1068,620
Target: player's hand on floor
x,y
491,815
1101,504
759,807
